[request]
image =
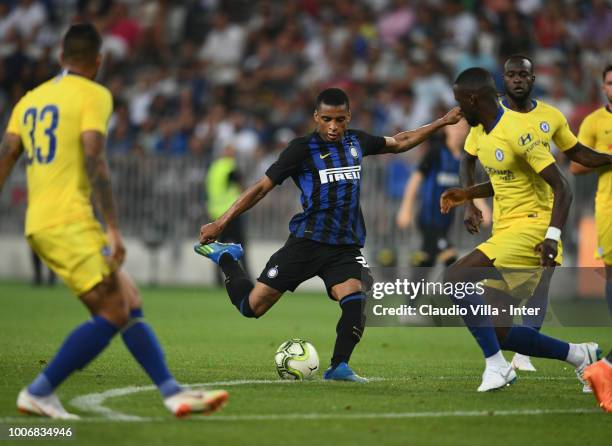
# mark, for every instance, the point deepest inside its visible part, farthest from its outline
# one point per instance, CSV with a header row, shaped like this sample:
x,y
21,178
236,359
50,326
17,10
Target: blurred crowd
x,y
196,76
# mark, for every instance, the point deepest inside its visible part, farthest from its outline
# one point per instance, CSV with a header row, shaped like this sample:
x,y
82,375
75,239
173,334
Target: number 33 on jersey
x,y
50,120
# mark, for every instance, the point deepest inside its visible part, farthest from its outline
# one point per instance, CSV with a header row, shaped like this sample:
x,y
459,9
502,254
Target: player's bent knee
x,y
129,290
261,298
107,300
346,288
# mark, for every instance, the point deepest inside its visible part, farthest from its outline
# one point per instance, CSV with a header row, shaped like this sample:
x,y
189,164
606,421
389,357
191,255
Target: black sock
x,y
237,284
350,327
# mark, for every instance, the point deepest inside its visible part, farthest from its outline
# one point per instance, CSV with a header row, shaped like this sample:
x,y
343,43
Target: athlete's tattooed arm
x,y
99,178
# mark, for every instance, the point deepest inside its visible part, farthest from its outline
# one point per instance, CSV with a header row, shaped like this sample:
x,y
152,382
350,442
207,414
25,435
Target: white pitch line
x,y
318,416
94,403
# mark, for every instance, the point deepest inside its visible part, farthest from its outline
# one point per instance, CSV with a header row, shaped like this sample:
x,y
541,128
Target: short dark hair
x,y
332,96
518,57
606,71
82,43
475,78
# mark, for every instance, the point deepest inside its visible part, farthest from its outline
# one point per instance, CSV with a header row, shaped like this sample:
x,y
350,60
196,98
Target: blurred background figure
x,y
437,171
38,266
223,187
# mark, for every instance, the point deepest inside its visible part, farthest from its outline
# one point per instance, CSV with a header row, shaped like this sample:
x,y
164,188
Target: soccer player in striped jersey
x,y
326,238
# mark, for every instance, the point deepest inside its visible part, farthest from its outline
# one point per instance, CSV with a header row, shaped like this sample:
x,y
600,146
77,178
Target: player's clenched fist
x,y
210,232
451,198
548,250
453,116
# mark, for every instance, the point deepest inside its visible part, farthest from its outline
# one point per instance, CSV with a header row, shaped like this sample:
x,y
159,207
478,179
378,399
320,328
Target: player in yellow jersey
x,y
552,127
61,127
522,170
596,131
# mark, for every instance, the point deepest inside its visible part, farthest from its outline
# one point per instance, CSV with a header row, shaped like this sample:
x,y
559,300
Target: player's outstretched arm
x,y
405,141
10,151
405,214
584,159
562,201
249,198
99,177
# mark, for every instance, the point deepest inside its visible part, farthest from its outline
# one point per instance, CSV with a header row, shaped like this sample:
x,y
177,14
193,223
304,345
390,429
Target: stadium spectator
x,y
222,51
26,20
223,187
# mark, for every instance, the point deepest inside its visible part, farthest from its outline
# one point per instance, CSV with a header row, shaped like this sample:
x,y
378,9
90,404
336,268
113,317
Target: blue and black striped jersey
x,y
440,171
329,177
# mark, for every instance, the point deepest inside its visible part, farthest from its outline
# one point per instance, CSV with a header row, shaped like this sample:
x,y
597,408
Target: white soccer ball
x,y
296,359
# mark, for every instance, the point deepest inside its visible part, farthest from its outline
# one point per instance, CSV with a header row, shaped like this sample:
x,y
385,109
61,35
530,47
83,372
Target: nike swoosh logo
x,y
324,156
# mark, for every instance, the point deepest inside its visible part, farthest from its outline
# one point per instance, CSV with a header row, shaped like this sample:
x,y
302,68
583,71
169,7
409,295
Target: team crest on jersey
x,y
272,272
499,154
525,139
353,151
545,126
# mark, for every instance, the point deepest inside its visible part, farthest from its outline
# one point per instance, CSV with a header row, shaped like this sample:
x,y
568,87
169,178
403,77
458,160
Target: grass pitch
x,y
425,394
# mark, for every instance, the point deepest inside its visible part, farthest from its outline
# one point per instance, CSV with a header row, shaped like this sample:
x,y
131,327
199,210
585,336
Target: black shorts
x,y
435,241
300,259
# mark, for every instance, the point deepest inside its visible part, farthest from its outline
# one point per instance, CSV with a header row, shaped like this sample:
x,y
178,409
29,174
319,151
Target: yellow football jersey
x,y
596,132
550,124
513,154
50,119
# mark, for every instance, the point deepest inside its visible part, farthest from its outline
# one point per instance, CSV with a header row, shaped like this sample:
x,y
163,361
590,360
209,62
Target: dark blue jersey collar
x,y
500,113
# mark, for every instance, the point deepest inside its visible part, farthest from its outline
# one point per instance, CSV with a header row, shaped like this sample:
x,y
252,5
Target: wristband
x,y
553,233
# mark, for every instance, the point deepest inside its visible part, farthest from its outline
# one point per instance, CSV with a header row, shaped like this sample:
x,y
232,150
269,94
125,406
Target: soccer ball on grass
x,y
296,359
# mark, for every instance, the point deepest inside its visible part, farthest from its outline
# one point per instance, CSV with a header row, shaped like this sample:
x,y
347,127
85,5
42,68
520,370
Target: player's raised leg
x,y
530,342
251,300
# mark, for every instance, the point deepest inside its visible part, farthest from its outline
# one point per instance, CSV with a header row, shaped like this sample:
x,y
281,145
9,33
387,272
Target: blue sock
x,y
539,301
609,295
142,343
245,308
528,341
80,347
480,326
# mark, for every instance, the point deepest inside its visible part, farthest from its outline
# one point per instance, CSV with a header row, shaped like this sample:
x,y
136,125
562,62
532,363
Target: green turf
x,y
423,370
